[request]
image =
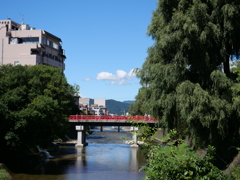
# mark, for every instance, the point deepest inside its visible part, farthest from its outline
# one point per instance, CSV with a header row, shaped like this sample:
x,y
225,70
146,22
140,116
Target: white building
x,y
22,44
98,108
100,102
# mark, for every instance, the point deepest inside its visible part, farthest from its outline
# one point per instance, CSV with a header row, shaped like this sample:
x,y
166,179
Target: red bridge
x,y
105,118
81,121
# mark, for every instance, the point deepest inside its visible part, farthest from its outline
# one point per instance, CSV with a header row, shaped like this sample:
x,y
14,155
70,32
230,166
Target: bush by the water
x,y
4,175
181,162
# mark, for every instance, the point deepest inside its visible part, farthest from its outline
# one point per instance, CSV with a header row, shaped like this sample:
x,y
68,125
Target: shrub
x,y
180,162
4,175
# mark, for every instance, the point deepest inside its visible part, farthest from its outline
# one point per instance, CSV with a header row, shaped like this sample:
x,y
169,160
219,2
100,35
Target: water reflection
x,y
95,161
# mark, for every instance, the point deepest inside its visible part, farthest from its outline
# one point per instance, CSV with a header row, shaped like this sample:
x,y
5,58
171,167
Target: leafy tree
x,y
35,102
186,77
236,86
137,107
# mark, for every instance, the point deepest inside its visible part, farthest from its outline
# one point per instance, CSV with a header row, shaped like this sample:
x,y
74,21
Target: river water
x,y
107,157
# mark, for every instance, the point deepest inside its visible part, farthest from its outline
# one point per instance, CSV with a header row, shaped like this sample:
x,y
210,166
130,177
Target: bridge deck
x,y
111,120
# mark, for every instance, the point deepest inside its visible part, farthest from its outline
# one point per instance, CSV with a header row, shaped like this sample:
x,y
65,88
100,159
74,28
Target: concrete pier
x,y
134,137
81,136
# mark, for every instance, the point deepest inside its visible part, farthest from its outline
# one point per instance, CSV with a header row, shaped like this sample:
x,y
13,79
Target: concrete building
x,y
22,44
100,102
84,101
84,105
98,108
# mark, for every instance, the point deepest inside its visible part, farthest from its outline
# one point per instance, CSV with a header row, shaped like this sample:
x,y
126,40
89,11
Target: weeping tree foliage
x,y
137,108
35,102
186,77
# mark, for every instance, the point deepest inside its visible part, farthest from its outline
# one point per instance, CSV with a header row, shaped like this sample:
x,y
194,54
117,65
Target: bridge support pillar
x,y
118,128
101,128
134,136
81,136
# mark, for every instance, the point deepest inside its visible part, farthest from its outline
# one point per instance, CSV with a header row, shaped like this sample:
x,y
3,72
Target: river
x,y
106,157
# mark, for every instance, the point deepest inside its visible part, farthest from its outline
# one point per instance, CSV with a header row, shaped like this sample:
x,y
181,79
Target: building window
x,y
49,43
34,51
16,63
13,41
24,40
44,40
55,45
30,40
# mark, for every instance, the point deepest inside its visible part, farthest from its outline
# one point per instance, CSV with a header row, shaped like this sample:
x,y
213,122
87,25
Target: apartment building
x,y
98,108
22,44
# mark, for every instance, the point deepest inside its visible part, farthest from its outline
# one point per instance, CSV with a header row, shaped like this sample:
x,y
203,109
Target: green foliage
x,y
145,133
137,107
180,162
173,134
186,78
35,102
236,86
4,175
235,174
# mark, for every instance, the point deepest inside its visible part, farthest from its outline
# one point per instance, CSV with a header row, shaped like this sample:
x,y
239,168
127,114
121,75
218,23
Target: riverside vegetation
x,y
189,82
35,102
171,158
4,175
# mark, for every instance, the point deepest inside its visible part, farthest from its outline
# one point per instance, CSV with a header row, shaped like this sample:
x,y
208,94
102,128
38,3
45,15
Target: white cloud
x,y
122,82
120,78
105,76
87,79
121,74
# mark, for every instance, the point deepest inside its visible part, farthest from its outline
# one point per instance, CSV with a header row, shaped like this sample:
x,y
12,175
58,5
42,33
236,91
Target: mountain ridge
x,y
116,107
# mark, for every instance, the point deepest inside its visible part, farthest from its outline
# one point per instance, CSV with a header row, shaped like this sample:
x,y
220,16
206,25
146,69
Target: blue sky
x,y
104,40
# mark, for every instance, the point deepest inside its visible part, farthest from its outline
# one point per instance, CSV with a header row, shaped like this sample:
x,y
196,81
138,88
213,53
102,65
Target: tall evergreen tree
x,y
187,75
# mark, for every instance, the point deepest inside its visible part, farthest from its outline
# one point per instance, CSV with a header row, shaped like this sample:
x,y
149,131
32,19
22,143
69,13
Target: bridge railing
x,y
117,118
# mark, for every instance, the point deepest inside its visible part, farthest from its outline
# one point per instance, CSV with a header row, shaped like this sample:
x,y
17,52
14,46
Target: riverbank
x,y
4,174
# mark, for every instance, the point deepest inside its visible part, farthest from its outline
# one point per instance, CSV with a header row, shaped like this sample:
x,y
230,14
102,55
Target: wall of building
x,y
100,102
84,101
12,50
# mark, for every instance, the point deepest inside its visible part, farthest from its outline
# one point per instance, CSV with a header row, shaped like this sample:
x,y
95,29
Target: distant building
x,y
84,101
22,44
100,102
84,105
98,108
